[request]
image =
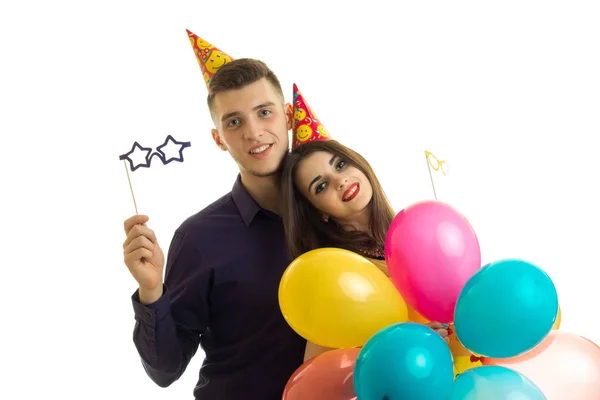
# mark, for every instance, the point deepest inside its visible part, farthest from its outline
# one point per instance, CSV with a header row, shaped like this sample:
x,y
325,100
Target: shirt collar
x,y
245,203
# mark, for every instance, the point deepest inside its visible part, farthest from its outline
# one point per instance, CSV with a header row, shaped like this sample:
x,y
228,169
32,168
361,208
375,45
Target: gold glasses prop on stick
x,y
437,165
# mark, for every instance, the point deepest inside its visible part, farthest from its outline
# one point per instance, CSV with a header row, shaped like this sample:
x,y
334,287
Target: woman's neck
x,y
360,222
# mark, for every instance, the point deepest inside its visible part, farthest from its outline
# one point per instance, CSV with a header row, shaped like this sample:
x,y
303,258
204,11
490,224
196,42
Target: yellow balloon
x,y
556,325
464,363
338,299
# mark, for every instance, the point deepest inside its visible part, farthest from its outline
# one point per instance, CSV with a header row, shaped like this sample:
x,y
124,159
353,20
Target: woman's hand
x,y
441,329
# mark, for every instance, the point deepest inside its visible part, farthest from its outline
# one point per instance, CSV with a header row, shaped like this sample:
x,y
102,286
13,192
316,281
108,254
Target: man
x,y
224,263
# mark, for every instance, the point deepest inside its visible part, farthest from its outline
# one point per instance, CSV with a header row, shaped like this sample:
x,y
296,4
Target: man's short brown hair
x,y
237,74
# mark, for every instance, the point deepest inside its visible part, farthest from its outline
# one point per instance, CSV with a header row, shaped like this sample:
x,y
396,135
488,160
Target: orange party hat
x,y
209,57
307,126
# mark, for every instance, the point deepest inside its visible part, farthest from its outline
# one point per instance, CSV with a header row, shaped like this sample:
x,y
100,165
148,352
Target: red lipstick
x,y
347,196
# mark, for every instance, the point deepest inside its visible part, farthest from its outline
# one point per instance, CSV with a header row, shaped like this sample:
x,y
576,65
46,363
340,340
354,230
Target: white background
x,y
506,92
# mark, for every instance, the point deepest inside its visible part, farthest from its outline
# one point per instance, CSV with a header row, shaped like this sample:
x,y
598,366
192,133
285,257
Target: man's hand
x,y
440,329
144,258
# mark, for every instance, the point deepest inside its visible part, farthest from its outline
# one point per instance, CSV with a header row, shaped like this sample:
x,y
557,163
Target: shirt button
x,y
148,315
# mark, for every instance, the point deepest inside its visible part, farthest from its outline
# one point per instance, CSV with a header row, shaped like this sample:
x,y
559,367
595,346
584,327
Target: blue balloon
x,y
505,309
494,383
406,361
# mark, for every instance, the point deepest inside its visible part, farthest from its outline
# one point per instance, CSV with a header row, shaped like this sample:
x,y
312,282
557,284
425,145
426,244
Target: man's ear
x,y
289,113
218,140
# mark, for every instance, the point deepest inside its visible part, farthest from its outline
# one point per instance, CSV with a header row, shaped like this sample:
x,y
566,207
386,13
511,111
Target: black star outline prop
x,y
125,156
159,153
148,158
163,156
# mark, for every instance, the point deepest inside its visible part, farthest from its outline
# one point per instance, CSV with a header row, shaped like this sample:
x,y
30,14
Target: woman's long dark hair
x,y
304,228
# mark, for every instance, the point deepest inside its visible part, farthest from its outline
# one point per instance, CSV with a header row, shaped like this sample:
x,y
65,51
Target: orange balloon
x,y
456,347
557,322
329,375
414,316
563,366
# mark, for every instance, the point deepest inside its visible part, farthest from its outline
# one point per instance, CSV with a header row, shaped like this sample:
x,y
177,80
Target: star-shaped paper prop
x,y
175,153
174,150
138,156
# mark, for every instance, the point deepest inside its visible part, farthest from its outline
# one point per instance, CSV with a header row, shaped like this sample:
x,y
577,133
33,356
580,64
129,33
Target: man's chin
x,y
265,174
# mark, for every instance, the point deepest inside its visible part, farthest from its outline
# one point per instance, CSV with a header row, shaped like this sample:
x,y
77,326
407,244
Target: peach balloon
x,y
595,345
564,366
329,375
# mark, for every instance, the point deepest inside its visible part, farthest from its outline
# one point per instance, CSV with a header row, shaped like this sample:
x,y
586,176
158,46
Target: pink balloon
x,y
563,366
431,252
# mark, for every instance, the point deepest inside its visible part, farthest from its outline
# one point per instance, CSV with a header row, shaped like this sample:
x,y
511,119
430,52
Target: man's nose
x,y
253,130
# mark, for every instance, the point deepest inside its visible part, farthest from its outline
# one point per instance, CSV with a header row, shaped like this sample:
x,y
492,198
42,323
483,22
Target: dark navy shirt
x,y
222,276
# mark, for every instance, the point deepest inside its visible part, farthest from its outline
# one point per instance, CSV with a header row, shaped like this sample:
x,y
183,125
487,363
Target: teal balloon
x,y
494,383
406,361
505,309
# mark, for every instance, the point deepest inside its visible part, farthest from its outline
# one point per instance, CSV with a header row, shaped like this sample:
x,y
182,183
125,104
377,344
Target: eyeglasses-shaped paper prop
x,y
437,165
141,157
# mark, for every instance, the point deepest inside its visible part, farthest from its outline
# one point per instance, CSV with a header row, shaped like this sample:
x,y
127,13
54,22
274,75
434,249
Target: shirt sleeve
x,y
167,332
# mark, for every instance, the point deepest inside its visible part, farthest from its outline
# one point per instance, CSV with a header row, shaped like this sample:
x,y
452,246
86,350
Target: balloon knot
x,y
474,358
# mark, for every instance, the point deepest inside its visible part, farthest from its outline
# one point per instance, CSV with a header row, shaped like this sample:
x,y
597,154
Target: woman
x,y
332,198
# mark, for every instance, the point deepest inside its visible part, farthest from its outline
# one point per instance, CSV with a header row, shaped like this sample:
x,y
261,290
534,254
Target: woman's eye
x,y
320,187
340,164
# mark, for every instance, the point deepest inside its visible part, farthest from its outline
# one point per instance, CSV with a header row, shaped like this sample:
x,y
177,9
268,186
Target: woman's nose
x,y
341,182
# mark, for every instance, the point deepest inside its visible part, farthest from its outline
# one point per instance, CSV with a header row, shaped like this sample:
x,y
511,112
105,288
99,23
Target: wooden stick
x,y
130,187
430,176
